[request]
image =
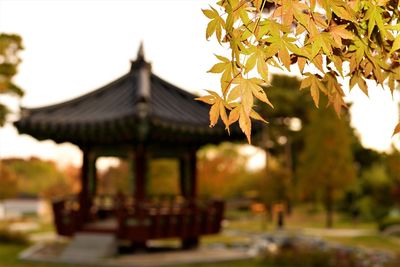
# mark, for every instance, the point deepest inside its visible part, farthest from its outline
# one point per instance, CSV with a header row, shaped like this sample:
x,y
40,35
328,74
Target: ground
x,y
241,227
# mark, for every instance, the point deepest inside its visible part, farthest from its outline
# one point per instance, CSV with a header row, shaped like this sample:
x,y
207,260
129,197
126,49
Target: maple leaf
x,y
290,9
339,32
342,10
374,17
217,108
239,114
315,85
281,44
396,45
322,41
357,79
256,116
215,25
245,123
258,57
396,129
225,67
246,89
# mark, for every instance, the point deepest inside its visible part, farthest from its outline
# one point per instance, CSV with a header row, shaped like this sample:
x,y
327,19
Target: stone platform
x,y
52,252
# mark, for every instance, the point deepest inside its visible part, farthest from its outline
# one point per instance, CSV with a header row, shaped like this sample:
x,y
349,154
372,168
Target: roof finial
x,y
140,54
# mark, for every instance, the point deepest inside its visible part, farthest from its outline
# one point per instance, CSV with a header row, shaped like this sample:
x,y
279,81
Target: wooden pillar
x,y
188,174
84,204
184,174
193,174
188,184
88,185
140,172
92,175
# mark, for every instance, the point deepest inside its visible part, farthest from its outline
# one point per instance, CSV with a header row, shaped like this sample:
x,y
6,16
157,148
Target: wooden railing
x,y
150,219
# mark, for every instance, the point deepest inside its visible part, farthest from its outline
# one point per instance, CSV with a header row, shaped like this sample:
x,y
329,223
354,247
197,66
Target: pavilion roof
x,y
137,107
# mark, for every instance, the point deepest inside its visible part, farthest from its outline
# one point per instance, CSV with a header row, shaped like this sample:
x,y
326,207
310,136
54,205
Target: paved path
x,y
337,232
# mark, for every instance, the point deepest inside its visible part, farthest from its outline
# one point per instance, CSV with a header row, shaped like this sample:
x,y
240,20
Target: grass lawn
x,y
370,241
9,257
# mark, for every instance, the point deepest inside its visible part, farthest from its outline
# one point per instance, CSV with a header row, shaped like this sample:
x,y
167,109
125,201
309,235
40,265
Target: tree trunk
x,y
329,207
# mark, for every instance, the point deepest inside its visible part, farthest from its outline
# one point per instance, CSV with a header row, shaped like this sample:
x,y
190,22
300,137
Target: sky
x,y
73,47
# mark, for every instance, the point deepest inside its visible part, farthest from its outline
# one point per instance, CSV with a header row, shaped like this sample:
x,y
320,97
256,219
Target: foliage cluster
x,y
10,45
329,42
222,172
37,177
8,183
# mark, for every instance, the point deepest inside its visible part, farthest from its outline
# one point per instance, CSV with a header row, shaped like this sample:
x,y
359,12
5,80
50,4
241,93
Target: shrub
x,y
12,237
389,221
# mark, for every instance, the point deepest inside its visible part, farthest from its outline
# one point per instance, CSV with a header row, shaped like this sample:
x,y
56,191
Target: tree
x,y
37,177
376,193
292,107
222,172
326,40
326,163
115,180
393,168
8,183
10,45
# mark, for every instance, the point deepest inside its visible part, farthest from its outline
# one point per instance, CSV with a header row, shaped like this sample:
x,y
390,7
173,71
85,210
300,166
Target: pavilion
x,y
139,117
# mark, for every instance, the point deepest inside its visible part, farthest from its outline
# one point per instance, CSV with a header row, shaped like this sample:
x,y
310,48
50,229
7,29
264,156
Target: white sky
x,y
73,47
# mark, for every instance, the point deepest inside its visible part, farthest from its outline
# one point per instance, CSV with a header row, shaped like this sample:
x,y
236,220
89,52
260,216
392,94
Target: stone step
x,y
90,247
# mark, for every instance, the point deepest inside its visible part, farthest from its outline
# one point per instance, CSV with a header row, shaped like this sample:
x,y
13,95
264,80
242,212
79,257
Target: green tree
x,y
376,193
326,164
324,40
10,45
393,169
286,121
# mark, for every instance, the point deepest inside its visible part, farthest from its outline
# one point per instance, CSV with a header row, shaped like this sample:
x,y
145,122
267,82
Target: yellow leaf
x,y
396,45
363,85
224,117
396,129
218,68
208,13
284,56
212,25
234,115
301,61
315,94
256,116
214,114
262,67
206,99
251,62
234,94
260,94
245,124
